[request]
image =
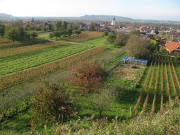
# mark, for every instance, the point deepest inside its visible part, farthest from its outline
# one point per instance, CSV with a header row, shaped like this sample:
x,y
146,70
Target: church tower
x,y
113,23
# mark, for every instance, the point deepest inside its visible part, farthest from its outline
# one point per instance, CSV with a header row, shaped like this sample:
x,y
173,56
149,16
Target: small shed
x,y
130,60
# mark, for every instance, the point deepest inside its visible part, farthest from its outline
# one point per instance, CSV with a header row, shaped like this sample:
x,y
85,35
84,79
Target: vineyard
x,y
32,59
159,86
8,81
12,49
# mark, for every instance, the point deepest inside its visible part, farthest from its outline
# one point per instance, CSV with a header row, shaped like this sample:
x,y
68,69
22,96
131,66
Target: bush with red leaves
x,y
88,76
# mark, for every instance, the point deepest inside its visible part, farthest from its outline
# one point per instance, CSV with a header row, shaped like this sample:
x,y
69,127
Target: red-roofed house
x,y
172,46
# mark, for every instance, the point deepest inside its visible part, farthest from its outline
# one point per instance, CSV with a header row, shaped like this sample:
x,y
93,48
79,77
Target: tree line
x,y
16,33
135,44
64,29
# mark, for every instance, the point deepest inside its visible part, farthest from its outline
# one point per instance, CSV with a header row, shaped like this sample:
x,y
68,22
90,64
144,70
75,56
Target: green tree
x,y
154,46
121,40
103,101
27,27
17,33
2,30
69,29
58,25
64,25
50,27
138,47
106,33
111,37
92,27
135,32
163,51
33,35
56,34
51,103
21,34
77,31
11,33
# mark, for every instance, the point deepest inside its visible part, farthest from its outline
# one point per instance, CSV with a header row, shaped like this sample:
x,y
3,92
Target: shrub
x,y
138,47
106,33
111,37
121,39
103,101
88,75
51,103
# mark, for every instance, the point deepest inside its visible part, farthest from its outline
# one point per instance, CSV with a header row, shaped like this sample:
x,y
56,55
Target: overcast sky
x,y
138,9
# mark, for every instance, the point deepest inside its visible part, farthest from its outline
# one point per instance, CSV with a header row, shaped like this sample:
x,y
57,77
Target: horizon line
x,y
140,19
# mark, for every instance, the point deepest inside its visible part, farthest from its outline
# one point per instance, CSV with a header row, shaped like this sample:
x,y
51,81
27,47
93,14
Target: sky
x,y
137,9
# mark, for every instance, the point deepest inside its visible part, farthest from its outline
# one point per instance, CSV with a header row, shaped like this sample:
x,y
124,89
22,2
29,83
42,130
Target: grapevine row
x,y
176,76
167,83
15,64
155,89
162,87
174,87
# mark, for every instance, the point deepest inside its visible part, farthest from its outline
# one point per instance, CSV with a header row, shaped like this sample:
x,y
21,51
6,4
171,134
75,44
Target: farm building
x,y
129,60
172,47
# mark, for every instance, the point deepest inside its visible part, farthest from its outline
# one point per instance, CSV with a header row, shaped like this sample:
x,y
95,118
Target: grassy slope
x,y
23,118
165,123
85,35
121,108
44,35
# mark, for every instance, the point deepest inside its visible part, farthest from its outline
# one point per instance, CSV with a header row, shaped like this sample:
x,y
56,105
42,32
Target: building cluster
x,y
167,37
112,26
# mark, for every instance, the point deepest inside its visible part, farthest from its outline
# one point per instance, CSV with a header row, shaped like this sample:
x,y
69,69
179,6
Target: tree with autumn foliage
x,y
88,76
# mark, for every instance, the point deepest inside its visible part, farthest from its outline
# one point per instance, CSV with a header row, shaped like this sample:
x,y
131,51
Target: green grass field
x,y
44,35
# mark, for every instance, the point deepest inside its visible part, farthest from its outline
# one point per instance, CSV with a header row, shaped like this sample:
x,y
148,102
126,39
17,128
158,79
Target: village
x,y
165,36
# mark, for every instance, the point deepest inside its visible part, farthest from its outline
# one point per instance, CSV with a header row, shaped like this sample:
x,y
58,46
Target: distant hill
x,y
6,17
104,18
86,18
